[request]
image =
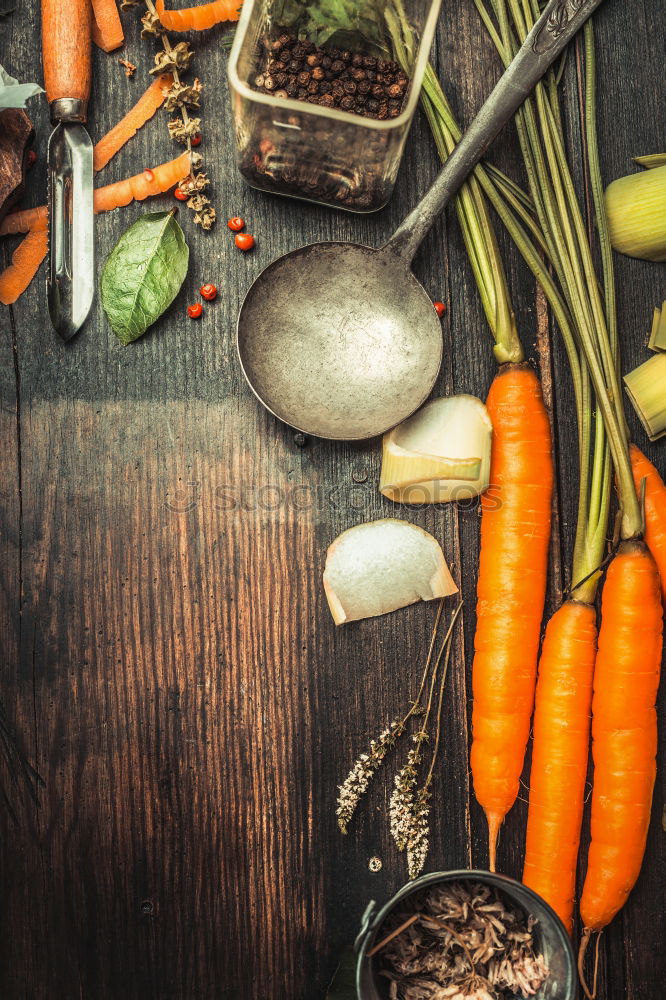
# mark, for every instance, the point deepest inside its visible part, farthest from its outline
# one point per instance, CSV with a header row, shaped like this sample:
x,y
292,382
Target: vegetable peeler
x,y
66,53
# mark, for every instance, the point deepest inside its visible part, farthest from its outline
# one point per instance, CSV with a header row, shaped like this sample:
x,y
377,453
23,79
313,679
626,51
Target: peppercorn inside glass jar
x,y
322,110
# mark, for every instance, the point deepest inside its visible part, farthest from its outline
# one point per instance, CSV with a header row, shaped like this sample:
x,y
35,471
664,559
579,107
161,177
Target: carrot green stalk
x,y
515,535
649,482
206,15
26,261
144,109
107,26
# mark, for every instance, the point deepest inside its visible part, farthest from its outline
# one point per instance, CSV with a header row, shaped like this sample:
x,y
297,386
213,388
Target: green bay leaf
x,y
143,274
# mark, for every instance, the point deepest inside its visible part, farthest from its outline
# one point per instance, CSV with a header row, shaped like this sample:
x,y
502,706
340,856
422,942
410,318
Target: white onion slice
x,y
380,566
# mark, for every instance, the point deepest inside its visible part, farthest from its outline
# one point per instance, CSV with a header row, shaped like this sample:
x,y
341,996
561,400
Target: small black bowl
x,y
550,936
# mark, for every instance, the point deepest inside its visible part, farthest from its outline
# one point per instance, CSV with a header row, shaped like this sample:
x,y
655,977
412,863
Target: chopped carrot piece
x,y
25,221
127,127
197,18
26,260
105,199
107,26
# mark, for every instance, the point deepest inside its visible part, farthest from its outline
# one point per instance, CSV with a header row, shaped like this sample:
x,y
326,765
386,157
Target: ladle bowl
x,y
351,343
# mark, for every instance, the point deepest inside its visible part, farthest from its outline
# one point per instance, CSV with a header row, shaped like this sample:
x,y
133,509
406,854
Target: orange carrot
x,y
515,533
624,733
107,26
127,127
559,755
26,260
105,199
196,18
655,510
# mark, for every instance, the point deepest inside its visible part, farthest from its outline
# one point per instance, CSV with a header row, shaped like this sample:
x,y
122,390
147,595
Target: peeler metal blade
x,y
70,281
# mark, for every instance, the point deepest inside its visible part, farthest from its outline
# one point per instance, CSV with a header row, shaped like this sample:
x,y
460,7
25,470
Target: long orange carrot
x,y
624,733
26,261
206,15
515,533
107,26
144,109
559,755
105,199
655,510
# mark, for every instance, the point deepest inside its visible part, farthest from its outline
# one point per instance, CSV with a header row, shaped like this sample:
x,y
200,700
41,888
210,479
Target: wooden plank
x,y
171,663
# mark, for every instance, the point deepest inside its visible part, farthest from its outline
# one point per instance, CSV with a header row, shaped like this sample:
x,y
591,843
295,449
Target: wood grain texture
x,y
170,665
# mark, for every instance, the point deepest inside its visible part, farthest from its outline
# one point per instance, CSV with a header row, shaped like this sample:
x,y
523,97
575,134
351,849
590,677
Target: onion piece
x,y
441,453
381,566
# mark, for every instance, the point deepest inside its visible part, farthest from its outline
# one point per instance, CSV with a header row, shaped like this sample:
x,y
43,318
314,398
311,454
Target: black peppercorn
x,y
326,100
373,104
291,89
337,66
313,87
304,78
326,62
280,79
369,62
349,87
298,51
314,59
318,73
302,93
357,59
364,87
347,103
295,65
284,55
285,40
357,74
325,87
377,90
395,90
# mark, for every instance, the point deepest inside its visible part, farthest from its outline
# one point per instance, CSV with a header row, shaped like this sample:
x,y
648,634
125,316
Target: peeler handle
x,y
559,22
67,57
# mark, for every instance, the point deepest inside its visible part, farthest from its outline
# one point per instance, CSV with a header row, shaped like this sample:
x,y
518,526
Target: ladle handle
x,y
557,25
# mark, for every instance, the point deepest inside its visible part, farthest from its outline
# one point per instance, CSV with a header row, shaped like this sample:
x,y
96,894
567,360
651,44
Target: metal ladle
x,y
341,340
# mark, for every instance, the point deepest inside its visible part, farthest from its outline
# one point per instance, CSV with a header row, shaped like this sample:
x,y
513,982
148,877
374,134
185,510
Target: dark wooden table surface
x,y
169,663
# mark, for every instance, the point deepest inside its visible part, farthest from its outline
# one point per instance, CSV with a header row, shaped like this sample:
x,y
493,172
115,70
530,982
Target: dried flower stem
x,y
389,937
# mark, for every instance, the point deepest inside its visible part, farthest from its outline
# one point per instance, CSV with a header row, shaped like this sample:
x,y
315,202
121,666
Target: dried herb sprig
x,y
355,785
182,98
409,809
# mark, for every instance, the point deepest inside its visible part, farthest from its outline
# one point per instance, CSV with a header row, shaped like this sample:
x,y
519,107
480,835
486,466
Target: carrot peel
x,y
107,27
26,261
197,18
136,117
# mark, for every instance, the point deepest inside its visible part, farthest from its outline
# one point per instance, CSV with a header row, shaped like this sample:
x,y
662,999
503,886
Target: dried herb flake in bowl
x,y
459,941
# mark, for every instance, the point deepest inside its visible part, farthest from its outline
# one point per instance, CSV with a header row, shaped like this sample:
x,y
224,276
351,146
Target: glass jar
x,y
303,149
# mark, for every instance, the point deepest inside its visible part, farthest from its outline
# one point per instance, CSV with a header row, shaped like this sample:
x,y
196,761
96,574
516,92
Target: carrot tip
x,y
494,823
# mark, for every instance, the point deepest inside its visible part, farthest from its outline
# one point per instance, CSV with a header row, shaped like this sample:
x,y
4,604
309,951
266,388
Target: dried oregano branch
x,y
410,804
181,99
